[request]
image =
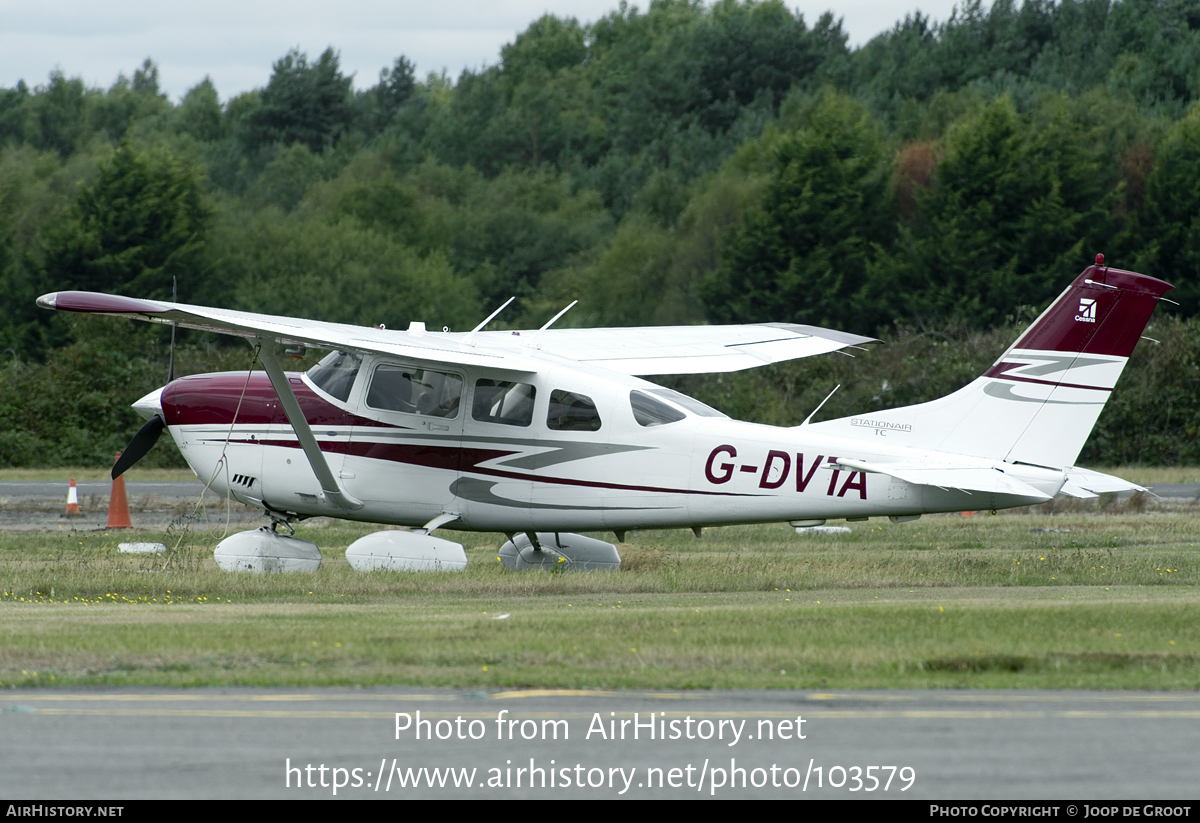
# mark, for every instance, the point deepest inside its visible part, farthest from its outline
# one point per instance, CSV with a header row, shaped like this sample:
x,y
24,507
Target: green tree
x,y
127,102
804,255
514,229
1013,211
396,87
12,114
340,271
55,114
302,103
1172,212
199,113
285,179
142,221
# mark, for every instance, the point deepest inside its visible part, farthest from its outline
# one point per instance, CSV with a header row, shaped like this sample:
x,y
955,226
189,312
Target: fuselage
x,y
562,449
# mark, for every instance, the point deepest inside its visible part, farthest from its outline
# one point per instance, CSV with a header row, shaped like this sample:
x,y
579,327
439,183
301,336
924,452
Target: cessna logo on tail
x,y
1087,310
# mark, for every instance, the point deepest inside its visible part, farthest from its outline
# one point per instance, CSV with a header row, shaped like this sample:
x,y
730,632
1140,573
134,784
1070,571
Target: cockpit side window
x,y
499,401
650,411
571,412
415,391
335,374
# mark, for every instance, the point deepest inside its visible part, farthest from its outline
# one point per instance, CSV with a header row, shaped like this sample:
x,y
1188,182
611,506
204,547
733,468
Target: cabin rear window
x,y
571,412
650,411
335,374
499,401
690,403
415,391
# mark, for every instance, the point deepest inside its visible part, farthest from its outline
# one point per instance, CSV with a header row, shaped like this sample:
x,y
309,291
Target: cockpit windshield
x,y
335,374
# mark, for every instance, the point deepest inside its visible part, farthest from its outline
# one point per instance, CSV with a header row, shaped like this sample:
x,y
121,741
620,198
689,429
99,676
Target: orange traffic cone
x,y
72,500
118,504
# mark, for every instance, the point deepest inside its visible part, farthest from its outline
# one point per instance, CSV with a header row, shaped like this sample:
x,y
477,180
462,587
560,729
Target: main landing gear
x,y
266,550
558,550
275,548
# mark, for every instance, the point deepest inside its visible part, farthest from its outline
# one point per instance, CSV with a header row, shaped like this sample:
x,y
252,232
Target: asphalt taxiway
x,y
286,743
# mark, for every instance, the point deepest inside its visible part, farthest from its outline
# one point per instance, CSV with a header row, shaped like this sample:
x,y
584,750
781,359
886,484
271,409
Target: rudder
x,y
1038,402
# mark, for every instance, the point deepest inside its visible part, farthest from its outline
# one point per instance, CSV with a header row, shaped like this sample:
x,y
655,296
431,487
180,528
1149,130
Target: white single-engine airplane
x,y
540,434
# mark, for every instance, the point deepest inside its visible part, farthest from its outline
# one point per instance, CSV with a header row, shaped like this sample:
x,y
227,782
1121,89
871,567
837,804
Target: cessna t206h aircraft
x,y
542,434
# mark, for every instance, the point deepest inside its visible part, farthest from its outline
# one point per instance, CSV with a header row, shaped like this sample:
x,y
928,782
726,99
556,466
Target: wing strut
x,y
312,450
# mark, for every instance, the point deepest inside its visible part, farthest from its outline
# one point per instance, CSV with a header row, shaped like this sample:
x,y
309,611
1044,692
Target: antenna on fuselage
x,y
470,337
822,403
550,323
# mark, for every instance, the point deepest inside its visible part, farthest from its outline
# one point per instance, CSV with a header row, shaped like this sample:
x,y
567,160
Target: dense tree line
x,y
678,164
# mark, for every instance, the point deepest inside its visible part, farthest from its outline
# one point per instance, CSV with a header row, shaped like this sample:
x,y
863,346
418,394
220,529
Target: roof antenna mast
x,y
550,322
470,337
819,405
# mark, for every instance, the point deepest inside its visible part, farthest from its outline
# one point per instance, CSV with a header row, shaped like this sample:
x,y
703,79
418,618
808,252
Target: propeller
x,y
141,443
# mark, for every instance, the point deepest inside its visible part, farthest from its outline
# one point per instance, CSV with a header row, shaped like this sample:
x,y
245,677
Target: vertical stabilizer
x,y
1038,403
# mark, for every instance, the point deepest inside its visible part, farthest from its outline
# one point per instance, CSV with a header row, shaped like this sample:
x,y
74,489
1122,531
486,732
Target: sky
x,y
235,43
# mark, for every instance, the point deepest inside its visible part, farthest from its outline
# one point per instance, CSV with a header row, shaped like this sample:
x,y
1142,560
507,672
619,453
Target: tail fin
x,y
1038,403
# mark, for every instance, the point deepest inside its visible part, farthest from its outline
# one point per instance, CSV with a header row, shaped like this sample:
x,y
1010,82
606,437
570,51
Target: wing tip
x,y
98,303
843,337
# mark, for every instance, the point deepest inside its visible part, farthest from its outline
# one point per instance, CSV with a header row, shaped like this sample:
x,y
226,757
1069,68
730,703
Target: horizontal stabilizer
x,y
1085,483
969,479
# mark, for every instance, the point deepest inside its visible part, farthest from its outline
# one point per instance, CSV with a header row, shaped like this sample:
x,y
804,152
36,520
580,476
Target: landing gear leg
x,y
281,521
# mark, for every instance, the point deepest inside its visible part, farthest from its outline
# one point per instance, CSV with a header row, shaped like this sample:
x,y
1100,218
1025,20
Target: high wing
x,y
443,348
692,349
633,351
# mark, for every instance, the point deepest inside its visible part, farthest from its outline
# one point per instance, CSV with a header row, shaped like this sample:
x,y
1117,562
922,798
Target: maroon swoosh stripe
x,y
998,373
468,460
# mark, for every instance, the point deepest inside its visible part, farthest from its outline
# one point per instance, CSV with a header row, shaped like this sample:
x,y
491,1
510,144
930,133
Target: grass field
x,y
1073,600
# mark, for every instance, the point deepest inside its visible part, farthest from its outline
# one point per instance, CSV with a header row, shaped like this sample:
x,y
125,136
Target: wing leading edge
x,y
420,345
632,350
